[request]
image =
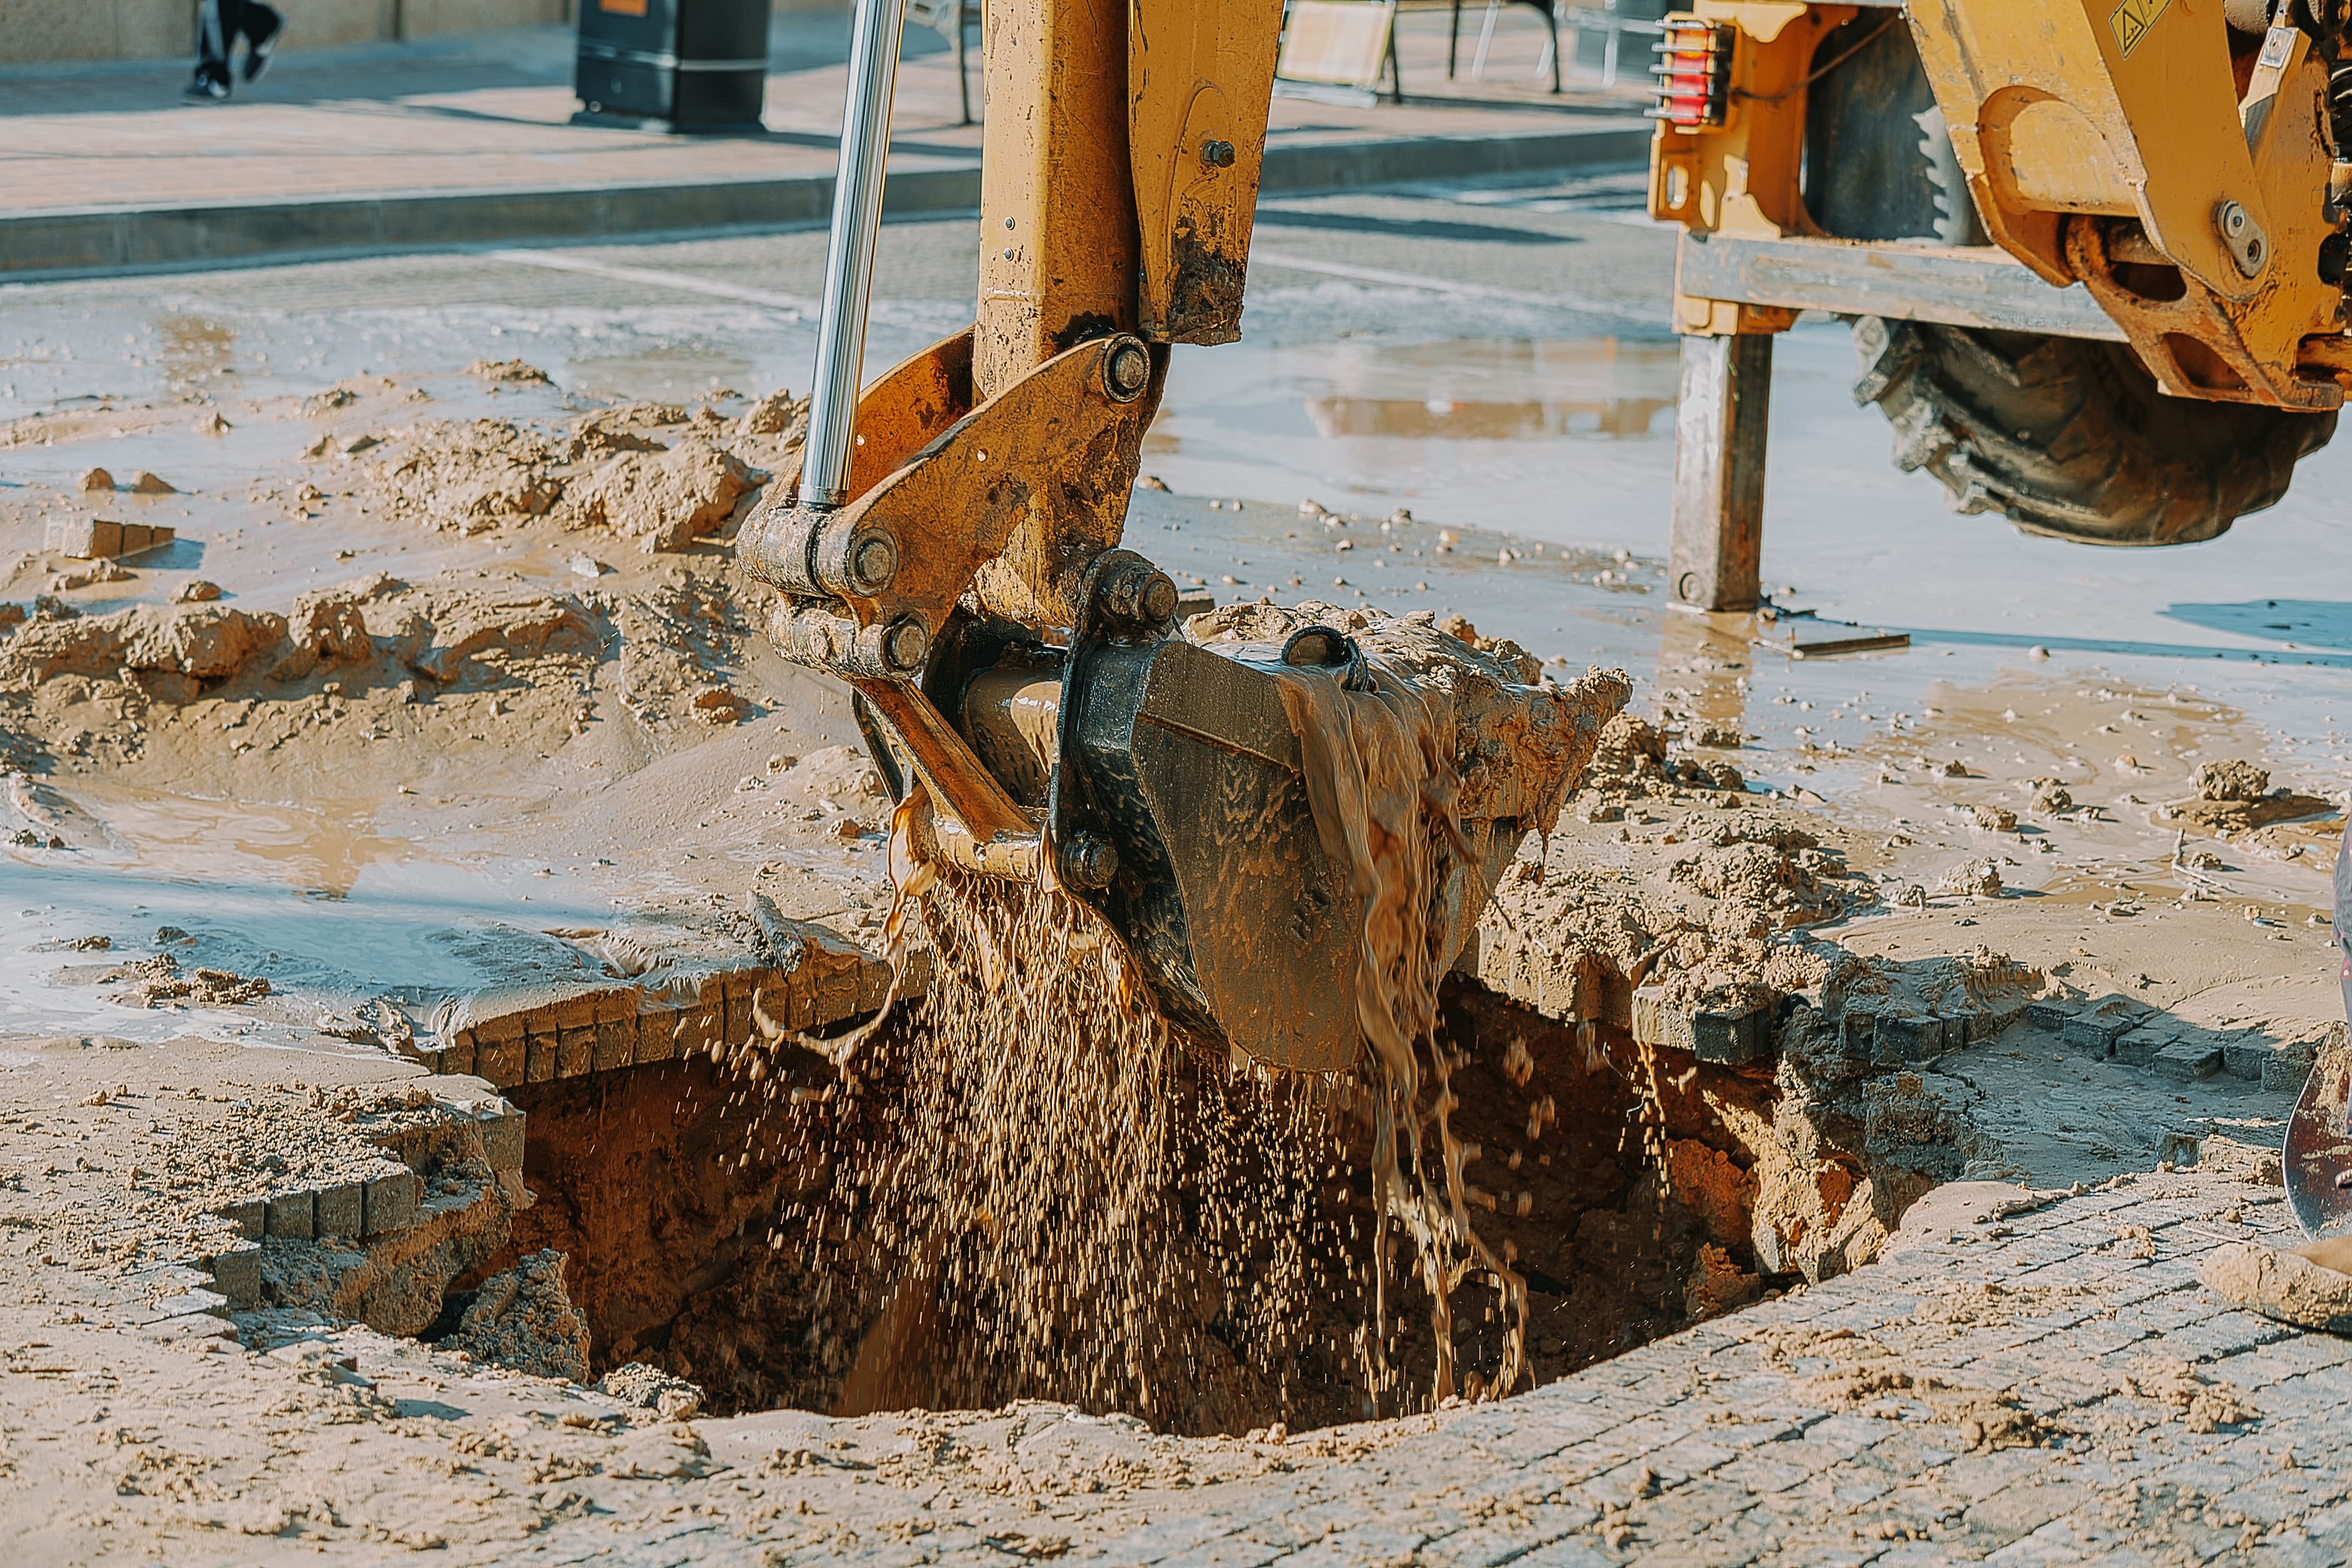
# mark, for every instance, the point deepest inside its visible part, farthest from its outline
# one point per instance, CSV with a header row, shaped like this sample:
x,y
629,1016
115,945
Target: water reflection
x,y
1496,389
1492,389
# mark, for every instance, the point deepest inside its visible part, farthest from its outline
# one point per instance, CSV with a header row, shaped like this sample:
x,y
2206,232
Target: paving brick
x,y
337,1210
2094,1034
2224,1335
501,1130
248,1216
539,1056
457,1052
575,1050
390,1203
289,1214
2186,1061
657,1032
498,1052
2137,1047
235,1272
616,1043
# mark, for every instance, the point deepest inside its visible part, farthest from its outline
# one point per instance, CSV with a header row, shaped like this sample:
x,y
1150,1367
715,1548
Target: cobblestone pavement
x,y
2046,1387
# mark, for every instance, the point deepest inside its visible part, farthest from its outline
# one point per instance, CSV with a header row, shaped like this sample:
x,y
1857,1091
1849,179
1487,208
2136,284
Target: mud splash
x,y
1069,1194
1383,791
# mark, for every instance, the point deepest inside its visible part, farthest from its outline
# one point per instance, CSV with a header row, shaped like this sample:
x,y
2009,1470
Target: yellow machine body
x,y
2180,171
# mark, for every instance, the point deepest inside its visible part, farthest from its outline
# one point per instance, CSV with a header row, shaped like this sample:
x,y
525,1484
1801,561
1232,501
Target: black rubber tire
x,y
2069,437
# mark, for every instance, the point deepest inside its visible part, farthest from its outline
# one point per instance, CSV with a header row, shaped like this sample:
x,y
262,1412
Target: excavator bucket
x,y
1232,800
2318,1162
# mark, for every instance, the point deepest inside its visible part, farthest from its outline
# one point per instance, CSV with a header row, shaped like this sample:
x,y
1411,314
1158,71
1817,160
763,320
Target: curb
x,y
77,242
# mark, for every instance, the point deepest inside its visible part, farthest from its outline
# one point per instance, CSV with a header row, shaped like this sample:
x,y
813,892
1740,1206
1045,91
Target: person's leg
x,y
262,28
215,34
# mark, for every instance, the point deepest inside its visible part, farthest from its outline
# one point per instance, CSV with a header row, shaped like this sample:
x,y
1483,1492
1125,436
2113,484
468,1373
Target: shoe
x,y
258,52
206,90
2289,1286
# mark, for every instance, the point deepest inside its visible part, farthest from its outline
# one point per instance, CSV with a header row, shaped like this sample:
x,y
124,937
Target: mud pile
x,y
1711,908
653,473
2235,798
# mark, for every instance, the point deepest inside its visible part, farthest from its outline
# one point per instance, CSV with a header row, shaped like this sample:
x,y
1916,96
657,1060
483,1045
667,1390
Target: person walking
x,y
219,25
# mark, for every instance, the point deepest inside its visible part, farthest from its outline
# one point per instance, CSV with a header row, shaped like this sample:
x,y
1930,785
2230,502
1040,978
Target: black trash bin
x,y
673,65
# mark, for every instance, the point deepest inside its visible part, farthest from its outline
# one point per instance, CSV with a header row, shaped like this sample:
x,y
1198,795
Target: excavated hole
x,y
665,1184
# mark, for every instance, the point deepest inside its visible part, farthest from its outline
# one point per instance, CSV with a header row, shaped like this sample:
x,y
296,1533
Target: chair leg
x,y
1552,21
963,81
1454,41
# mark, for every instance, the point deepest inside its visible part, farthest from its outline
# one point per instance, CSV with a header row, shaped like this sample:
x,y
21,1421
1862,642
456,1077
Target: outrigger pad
x,y
1243,851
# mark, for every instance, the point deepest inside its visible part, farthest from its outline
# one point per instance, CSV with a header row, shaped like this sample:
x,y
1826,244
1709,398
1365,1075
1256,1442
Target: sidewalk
x,y
468,141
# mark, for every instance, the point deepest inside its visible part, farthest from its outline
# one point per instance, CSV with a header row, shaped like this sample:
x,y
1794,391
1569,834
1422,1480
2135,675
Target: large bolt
x,y
1138,591
906,645
873,561
1086,862
1127,370
1217,154
1159,598
2243,237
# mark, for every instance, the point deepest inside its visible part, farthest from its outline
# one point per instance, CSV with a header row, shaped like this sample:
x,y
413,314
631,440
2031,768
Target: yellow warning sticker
x,y
2132,19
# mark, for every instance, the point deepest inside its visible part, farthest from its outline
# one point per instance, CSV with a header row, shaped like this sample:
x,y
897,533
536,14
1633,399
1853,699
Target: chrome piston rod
x,y
849,257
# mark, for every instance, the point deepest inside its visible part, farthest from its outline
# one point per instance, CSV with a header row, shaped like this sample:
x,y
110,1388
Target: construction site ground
x,y
443,708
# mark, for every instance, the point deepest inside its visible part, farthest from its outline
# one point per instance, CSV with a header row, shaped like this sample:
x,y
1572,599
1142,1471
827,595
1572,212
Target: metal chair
x,y
1546,8
952,18
1607,18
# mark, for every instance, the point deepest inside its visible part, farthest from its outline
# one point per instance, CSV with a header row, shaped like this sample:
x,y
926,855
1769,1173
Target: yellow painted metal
x,y
901,412
1199,79
1057,235
2097,107
1741,177
2104,141
2249,349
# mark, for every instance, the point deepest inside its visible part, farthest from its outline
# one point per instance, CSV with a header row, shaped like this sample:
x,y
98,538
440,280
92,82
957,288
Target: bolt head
x,y
873,561
2233,219
1217,154
1088,862
1158,597
906,645
1128,370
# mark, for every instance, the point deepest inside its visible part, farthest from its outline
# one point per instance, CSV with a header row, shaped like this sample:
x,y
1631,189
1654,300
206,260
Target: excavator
x,y
2092,252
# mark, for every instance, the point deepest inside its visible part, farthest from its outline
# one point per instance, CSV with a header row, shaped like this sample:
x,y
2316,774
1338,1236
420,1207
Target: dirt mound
x,y
2232,780
468,476
643,1387
201,642
509,372
2235,797
778,414
438,630
664,500
523,1319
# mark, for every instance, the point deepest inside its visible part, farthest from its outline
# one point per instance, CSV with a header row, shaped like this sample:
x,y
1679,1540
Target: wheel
x,y
2069,437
